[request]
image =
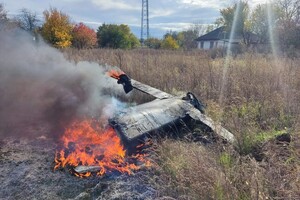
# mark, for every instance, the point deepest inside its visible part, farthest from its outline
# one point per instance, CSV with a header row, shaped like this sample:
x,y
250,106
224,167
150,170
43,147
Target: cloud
x,y
160,13
171,26
253,3
116,4
92,23
217,4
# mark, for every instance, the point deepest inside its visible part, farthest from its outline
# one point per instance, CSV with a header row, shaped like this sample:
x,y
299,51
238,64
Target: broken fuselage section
x,y
134,123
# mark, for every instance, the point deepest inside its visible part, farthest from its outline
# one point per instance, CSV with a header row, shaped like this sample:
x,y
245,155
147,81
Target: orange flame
x,y
86,143
114,73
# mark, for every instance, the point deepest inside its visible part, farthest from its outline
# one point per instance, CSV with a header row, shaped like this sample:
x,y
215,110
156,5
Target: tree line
x,y
59,31
279,19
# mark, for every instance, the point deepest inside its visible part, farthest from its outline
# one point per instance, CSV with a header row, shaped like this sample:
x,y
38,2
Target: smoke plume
x,y
39,87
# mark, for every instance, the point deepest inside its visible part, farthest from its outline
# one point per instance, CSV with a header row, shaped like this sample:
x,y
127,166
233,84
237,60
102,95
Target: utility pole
x,y
145,21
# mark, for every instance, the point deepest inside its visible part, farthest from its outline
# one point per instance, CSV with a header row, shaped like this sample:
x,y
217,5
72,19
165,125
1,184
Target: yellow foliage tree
x,y
169,43
57,29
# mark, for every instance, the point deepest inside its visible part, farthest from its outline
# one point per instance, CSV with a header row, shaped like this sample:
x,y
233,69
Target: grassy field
x,y
255,96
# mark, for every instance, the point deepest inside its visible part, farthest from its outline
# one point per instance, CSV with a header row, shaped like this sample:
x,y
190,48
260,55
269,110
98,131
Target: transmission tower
x,y
145,21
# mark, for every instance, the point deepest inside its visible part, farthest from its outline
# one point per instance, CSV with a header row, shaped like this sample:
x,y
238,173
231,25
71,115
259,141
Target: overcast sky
x,y
164,15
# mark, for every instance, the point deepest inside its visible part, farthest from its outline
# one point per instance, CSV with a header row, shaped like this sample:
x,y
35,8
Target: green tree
x,y
169,43
185,39
211,27
174,34
188,39
57,29
153,43
83,36
239,15
261,23
116,36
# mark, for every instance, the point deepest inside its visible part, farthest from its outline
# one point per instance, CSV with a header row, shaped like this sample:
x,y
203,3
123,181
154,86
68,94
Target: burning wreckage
x,y
135,122
88,149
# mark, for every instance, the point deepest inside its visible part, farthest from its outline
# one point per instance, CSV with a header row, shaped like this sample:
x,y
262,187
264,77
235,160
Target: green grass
x,y
267,135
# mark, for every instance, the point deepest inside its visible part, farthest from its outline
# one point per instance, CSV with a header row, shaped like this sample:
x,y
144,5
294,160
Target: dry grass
x,y
190,171
260,99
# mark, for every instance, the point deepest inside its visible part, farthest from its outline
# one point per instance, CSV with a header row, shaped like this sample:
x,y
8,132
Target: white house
x,y
219,38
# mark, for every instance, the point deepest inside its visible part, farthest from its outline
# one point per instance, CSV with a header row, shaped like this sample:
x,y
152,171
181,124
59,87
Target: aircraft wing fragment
x,y
134,122
129,84
150,90
216,127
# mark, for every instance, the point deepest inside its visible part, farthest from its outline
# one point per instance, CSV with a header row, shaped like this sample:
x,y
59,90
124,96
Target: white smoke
x,y
38,84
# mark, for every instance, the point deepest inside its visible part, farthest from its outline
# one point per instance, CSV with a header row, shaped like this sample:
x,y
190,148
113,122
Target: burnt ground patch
x,y
26,172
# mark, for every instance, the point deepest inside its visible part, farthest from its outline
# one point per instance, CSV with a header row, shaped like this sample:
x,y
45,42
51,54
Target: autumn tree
x,y
184,39
169,43
57,29
116,36
83,37
176,36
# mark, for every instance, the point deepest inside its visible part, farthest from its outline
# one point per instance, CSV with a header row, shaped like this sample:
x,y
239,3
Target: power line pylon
x,y
145,21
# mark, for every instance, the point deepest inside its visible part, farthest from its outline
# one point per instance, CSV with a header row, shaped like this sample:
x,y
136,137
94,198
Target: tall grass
x,y
261,99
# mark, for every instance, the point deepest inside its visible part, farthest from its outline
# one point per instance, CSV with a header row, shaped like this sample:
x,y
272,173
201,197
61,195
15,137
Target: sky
x,y
164,15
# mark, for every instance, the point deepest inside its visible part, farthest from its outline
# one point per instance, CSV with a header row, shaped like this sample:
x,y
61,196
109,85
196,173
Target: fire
x,y
86,143
115,74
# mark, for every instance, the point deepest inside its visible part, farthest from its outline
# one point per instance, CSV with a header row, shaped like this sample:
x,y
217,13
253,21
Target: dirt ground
x,y
26,172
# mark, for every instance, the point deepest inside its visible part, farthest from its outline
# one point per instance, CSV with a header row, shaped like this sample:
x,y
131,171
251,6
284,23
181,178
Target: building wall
x,y
206,45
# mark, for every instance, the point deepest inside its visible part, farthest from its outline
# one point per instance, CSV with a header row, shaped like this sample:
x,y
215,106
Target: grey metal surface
x,y
150,90
83,169
133,122
144,118
216,127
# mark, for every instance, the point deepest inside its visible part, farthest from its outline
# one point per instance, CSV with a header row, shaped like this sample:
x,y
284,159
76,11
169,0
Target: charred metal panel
x,y
136,121
216,127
